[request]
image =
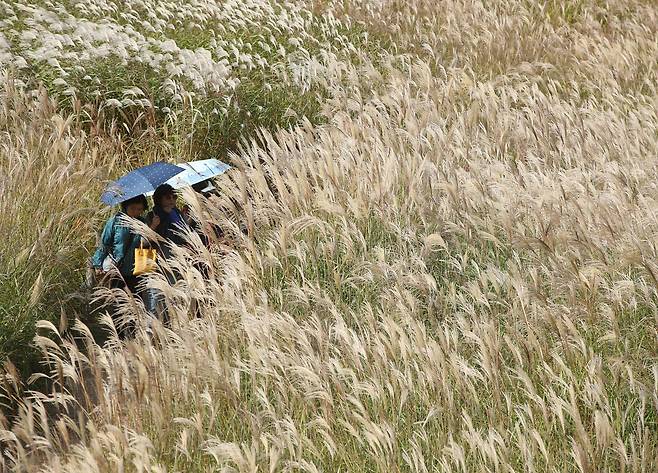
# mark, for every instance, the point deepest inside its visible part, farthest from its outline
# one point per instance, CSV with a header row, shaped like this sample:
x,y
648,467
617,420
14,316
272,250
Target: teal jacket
x,y
118,242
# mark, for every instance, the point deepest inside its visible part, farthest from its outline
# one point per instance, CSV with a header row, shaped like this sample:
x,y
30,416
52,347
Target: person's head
x,y
165,197
204,188
135,206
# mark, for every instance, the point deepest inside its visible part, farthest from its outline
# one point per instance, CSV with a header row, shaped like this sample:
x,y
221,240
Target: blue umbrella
x,y
139,181
197,171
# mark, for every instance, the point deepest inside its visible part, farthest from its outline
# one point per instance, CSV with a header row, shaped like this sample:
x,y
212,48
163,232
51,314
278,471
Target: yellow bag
x,y
144,260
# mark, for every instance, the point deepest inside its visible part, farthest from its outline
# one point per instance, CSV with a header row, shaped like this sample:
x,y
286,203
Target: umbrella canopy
x,y
197,171
140,181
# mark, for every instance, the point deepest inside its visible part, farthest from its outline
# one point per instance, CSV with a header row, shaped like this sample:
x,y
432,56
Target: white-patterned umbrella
x,y
197,171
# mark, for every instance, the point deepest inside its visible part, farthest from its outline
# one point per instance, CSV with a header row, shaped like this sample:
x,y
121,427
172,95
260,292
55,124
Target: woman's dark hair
x,y
140,199
160,192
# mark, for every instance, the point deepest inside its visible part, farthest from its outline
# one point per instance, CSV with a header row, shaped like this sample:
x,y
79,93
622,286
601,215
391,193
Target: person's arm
x,y
103,248
120,243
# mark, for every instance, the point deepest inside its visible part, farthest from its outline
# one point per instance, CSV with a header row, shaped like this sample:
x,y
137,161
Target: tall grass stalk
x,y
456,272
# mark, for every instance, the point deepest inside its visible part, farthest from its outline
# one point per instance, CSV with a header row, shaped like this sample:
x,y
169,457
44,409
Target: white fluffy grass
x,y
456,273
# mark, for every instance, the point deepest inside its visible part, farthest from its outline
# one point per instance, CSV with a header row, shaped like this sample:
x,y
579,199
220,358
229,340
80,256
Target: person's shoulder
x,y
109,223
120,219
115,221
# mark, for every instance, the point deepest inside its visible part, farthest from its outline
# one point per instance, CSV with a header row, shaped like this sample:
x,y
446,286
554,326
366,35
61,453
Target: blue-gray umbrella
x,y
139,181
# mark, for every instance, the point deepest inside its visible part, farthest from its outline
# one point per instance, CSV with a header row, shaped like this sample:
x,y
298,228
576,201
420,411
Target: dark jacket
x,y
195,226
168,228
119,242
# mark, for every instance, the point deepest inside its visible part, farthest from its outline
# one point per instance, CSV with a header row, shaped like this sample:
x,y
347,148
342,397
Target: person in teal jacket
x,y
118,244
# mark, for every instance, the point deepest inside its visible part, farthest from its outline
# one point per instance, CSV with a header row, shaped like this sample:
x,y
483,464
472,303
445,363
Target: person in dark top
x,y
170,223
208,234
170,219
211,232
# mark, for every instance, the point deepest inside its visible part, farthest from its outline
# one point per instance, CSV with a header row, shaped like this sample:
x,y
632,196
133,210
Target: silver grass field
x,y
453,269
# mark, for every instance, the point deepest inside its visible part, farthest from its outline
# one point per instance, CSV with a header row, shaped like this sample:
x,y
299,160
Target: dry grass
x,y
84,99
52,171
456,273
